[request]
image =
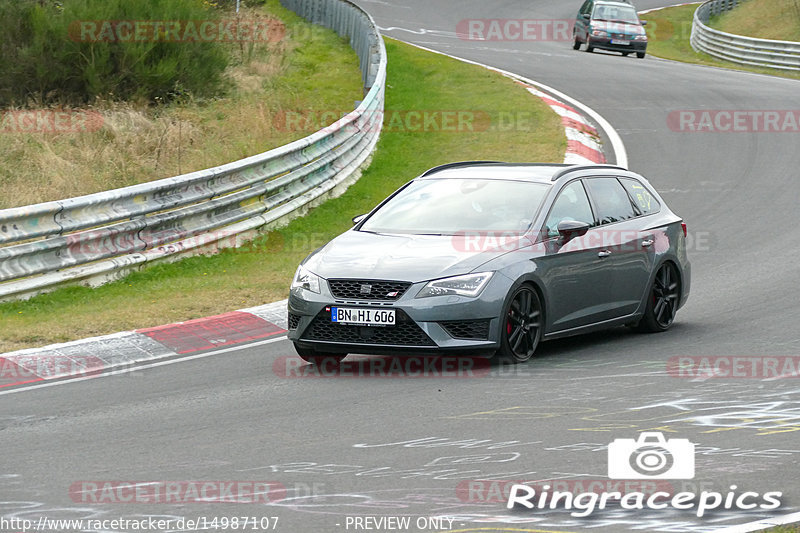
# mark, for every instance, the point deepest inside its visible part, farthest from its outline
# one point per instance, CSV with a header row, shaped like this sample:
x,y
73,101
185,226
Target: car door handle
x,y
648,242
603,253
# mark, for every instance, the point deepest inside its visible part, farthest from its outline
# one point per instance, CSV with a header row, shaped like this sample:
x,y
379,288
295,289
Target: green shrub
x,y
44,57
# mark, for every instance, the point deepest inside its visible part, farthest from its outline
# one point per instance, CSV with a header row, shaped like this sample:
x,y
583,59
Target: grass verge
x,y
669,30
765,19
138,142
509,124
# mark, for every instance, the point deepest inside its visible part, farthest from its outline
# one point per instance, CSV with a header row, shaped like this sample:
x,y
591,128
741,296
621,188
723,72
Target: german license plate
x,y
367,317
619,41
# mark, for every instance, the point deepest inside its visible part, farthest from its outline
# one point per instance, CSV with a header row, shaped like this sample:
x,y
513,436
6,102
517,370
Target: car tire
x,y
640,55
318,358
576,43
589,47
521,325
662,300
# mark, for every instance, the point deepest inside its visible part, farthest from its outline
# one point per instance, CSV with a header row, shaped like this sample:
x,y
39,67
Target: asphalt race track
x,y
383,447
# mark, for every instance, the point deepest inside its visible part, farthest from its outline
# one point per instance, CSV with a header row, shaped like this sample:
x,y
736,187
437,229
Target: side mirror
x,y
358,218
644,22
569,229
586,16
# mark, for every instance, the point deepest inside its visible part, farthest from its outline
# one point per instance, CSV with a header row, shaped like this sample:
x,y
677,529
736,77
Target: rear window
x,y
643,199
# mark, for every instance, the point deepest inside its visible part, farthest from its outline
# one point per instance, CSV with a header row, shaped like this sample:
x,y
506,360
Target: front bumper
x,y
609,43
423,325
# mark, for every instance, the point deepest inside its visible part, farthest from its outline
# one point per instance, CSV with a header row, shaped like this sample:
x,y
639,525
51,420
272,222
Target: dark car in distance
x,y
487,258
610,25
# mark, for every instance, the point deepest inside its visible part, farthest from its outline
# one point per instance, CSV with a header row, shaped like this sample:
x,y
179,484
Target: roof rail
x,y
468,163
457,164
573,168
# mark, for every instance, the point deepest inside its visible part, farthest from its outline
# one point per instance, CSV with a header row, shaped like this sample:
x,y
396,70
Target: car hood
x,y
618,27
364,255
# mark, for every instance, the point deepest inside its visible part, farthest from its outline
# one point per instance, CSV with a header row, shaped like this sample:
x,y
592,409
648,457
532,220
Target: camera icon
x,y
651,457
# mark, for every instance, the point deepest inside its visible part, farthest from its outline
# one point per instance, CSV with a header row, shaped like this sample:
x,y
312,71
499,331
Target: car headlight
x,y
641,37
598,33
468,285
303,279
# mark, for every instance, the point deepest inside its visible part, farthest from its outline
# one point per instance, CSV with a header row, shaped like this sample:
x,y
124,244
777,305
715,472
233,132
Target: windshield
x,y
623,14
451,206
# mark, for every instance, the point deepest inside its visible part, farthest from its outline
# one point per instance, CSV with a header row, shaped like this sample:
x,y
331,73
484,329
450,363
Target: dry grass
x,y
765,19
261,271
139,143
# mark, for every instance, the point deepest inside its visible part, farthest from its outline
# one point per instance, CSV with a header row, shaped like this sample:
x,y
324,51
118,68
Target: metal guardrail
x,y
100,237
738,48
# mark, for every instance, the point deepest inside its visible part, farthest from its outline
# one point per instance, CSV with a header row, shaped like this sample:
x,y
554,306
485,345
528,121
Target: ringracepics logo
x,y
652,457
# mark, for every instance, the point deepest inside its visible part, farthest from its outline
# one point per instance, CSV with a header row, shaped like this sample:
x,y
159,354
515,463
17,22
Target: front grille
x,y
365,289
294,320
405,332
467,329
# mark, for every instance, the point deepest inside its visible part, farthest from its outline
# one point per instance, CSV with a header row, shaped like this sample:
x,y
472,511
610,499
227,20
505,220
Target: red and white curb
x,y
583,141
120,351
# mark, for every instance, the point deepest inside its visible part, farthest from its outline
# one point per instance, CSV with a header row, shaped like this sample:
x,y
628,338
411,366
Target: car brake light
x,y
683,225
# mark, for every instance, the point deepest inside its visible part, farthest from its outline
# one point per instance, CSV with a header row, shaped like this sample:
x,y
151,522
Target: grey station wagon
x,y
487,258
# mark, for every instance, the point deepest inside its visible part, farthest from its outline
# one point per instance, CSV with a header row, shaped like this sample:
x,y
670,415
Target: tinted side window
x,y
571,204
586,8
610,199
645,201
